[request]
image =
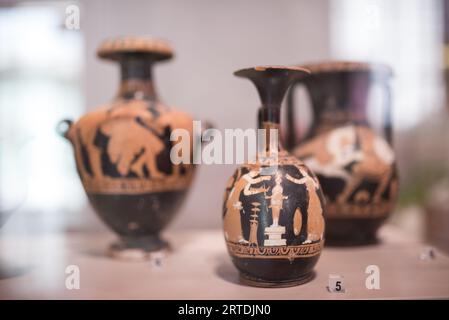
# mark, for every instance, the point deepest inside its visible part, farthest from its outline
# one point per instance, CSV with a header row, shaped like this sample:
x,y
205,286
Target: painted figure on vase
x,y
232,216
355,165
273,209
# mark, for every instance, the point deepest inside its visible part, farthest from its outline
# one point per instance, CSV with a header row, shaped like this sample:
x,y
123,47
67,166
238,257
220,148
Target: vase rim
x,y
115,48
334,66
268,68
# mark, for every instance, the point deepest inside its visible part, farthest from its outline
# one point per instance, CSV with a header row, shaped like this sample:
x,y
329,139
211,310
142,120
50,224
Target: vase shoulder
x,y
134,109
124,148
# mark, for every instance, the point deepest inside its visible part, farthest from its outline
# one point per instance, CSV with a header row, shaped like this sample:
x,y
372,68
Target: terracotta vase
x,y
273,209
355,165
122,151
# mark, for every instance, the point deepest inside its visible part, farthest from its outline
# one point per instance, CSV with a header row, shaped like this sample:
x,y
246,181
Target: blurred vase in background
x,y
122,151
355,165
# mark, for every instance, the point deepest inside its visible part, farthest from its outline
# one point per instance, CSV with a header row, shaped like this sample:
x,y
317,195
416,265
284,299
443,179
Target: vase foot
x,y
138,249
255,282
347,232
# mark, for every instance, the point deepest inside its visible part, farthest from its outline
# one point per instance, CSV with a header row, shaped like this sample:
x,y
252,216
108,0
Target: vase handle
x,y
63,128
290,140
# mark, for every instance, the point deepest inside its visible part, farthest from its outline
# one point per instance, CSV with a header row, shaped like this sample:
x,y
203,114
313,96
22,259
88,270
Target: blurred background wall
x,y
48,72
212,39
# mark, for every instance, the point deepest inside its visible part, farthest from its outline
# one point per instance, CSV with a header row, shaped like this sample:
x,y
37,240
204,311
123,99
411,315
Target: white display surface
x,y
34,267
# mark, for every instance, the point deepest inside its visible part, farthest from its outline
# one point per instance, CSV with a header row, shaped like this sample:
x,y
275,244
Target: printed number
x,y
338,285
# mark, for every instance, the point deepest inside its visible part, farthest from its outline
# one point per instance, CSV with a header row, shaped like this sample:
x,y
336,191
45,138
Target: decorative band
x,y
275,252
352,210
136,185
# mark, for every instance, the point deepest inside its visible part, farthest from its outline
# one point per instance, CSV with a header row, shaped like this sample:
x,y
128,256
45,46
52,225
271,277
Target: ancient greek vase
x,y
354,164
273,208
122,151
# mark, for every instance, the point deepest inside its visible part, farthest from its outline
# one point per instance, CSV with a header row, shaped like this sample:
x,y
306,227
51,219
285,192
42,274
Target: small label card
x,y
336,283
157,260
427,253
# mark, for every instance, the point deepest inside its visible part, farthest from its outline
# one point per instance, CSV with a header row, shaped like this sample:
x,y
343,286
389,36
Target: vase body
x,y
122,153
354,164
273,208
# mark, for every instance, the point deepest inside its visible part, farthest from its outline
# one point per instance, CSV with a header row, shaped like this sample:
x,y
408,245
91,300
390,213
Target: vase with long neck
x,y
355,165
122,152
273,209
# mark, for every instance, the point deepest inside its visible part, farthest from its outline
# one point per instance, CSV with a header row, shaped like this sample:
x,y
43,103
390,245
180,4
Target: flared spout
x,y
272,82
151,48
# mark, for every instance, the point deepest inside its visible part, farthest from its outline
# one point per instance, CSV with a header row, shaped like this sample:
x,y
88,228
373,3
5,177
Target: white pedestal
x,y
275,236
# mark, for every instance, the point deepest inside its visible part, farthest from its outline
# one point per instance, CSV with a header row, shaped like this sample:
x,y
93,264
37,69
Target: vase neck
x,y
272,82
339,98
136,78
269,120
269,116
271,89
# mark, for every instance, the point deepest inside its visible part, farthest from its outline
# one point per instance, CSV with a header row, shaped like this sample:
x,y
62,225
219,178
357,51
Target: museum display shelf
x,y
198,267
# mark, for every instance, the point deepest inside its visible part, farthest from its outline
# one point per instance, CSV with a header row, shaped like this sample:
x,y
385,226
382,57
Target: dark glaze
x,y
137,215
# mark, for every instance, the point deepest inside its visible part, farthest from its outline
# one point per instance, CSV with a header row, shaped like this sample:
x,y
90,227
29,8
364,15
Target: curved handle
x,y
63,127
290,128
291,139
